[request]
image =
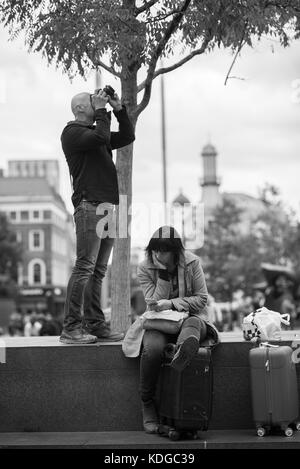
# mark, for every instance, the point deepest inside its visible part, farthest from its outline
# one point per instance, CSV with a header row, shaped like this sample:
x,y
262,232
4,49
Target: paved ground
x,y
139,440
53,341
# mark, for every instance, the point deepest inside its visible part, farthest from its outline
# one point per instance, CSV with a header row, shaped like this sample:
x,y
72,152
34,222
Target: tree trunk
x,y
120,278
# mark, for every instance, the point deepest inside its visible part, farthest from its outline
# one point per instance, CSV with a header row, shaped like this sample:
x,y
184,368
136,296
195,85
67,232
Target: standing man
x,y
88,151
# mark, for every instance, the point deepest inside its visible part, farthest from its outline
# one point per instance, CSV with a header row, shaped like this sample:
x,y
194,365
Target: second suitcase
x,y
186,397
274,389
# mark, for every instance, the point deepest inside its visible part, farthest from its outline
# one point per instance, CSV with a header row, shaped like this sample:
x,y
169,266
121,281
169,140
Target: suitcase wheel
x,y
174,435
260,431
163,430
190,435
288,431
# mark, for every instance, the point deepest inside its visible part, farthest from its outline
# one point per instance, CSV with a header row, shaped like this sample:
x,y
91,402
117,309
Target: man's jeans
x,y
84,287
154,343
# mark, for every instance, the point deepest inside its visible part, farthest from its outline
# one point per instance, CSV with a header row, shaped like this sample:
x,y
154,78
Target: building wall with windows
x,y
45,229
47,238
49,244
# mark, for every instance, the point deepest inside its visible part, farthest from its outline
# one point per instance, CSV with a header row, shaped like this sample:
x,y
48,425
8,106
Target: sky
x,y
253,121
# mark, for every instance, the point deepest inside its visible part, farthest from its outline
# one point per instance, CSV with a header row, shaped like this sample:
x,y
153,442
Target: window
x,y
20,274
25,215
47,214
37,277
36,272
13,215
36,240
36,214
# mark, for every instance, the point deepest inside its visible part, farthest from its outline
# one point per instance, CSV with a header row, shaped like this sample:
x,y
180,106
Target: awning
x,y
271,271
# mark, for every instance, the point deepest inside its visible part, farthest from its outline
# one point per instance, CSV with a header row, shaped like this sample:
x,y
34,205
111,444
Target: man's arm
x,y
85,138
125,135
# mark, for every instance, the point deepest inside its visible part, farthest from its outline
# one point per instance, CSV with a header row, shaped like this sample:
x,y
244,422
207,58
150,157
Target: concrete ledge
x,y
114,441
49,387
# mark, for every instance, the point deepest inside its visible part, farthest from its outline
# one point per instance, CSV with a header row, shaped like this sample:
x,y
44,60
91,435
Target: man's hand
x,y
162,305
115,102
99,100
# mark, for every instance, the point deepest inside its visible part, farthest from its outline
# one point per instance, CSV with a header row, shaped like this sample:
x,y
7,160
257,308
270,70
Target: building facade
x,y
48,169
29,197
212,197
210,183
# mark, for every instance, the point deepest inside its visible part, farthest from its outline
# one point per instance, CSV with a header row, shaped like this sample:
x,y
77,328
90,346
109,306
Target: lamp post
x,y
164,152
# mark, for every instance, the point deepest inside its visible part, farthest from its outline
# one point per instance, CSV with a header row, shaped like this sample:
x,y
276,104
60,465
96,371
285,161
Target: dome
x,y
181,199
209,149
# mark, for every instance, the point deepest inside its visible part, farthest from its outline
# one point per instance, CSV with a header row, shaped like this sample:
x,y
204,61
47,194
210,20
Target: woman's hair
x,y
165,239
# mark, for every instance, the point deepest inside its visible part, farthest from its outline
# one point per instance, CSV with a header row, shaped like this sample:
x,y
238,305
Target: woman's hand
x,y
162,305
156,262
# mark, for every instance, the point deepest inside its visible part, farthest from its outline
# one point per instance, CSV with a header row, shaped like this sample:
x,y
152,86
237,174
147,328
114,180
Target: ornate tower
x,y
210,182
181,199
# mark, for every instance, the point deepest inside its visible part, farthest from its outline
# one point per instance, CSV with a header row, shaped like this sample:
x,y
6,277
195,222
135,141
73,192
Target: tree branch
x,y
241,45
281,5
178,64
99,63
144,7
172,27
109,69
127,24
162,17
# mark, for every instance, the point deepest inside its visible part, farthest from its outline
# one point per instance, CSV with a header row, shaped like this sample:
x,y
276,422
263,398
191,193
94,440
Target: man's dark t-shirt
x,y
88,151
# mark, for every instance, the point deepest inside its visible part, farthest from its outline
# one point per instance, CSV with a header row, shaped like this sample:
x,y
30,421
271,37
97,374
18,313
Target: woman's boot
x,y
150,417
185,353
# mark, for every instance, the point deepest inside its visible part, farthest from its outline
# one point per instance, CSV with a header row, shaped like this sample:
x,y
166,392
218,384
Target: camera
x,y
108,90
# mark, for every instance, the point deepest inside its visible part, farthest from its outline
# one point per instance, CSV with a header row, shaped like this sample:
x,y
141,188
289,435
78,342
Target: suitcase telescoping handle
x,y
266,344
285,321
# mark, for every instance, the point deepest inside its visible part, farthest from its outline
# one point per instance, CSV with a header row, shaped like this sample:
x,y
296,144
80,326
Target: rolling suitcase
x,y
274,389
186,397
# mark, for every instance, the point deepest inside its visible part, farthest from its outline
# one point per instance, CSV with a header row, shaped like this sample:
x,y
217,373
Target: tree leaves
x,y
10,250
232,258
75,34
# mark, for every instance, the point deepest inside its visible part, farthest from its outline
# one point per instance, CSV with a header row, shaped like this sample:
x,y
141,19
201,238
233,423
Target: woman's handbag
x,y
168,321
163,325
264,324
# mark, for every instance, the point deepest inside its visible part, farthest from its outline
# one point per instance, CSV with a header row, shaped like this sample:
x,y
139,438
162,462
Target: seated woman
x,y
172,278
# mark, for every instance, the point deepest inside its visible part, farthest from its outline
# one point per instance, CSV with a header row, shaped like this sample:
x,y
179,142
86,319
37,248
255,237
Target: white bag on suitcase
x,y
264,324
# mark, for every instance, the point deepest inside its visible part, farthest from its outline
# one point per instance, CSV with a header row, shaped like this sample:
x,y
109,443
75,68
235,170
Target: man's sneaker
x,y
104,334
78,336
185,353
